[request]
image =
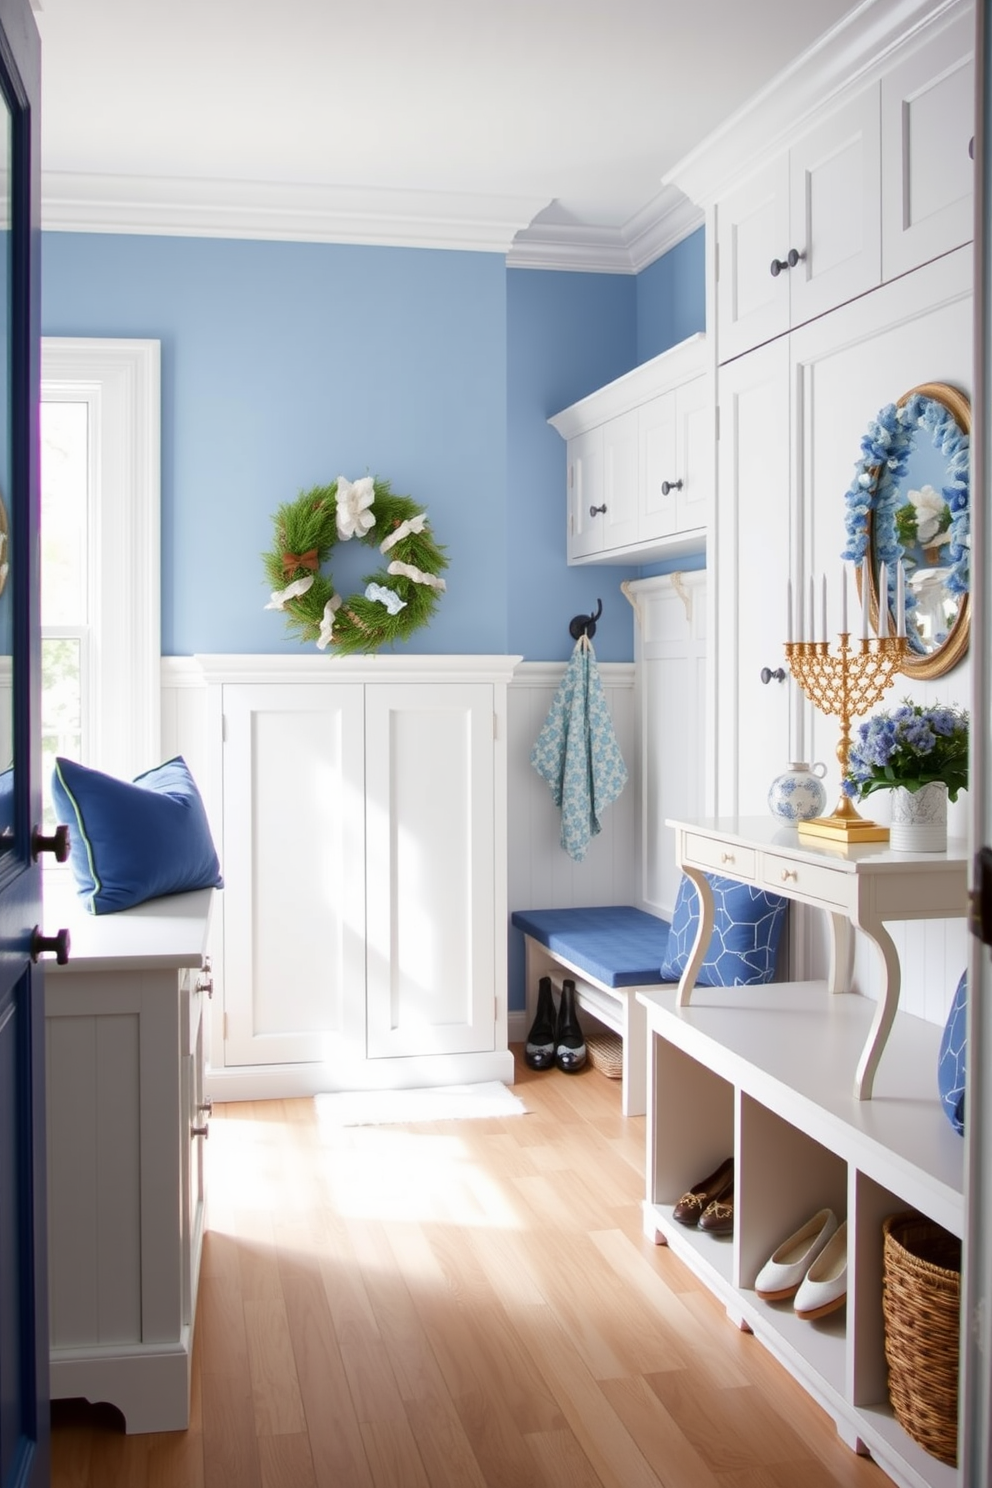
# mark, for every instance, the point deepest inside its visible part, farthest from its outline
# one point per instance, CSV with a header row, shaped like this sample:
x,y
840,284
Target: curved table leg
x,y
841,953
704,933
885,1010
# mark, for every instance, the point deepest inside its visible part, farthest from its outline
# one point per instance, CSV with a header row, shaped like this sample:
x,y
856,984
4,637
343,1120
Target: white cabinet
x,y
127,1122
792,416
803,234
675,447
928,126
640,461
740,1060
364,857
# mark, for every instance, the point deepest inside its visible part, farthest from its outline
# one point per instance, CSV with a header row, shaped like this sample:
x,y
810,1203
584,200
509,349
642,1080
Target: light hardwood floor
x,y
466,1304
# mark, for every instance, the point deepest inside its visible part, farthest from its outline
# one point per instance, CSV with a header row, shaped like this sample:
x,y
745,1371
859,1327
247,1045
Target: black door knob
x,y
58,843
59,943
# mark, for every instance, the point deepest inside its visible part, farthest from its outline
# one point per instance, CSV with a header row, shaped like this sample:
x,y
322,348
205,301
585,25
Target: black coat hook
x,y
585,625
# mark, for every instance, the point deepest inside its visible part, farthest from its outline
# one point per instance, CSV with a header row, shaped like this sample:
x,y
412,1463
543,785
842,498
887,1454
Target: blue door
x,y
23,1281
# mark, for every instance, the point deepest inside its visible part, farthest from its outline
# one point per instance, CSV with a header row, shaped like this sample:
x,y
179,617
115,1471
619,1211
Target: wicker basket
x,y
921,1287
605,1052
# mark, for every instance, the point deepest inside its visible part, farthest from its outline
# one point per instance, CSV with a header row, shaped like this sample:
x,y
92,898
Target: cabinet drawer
x,y
721,857
786,876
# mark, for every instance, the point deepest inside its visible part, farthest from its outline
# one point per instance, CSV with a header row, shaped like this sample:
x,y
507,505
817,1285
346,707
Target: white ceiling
x,y
465,119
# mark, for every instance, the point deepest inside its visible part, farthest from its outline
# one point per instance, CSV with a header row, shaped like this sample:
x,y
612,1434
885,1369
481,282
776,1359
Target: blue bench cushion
x,y
618,945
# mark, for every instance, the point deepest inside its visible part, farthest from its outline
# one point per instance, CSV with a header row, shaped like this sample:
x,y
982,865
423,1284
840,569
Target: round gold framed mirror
x,y
910,505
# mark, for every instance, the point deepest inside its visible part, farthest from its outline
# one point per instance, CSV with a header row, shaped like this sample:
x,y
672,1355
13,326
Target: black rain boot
x,y
539,1050
570,1052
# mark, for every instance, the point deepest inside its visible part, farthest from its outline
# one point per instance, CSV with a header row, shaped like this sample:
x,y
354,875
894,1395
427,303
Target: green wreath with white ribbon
x,y
397,599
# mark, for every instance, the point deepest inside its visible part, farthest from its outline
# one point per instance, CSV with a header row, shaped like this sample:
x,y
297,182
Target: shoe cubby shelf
x,y
766,1074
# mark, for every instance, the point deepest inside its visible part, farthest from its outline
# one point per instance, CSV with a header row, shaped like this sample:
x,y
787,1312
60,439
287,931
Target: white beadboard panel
x,y
670,654
95,1283
541,874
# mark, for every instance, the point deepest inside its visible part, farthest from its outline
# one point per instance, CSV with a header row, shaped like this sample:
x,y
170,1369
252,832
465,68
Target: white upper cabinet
x,y
640,461
928,126
803,234
675,439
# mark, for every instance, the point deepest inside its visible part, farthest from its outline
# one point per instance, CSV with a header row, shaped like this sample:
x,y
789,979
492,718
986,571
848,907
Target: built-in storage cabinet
x,y
363,850
928,127
802,235
639,461
878,186
739,1060
127,1122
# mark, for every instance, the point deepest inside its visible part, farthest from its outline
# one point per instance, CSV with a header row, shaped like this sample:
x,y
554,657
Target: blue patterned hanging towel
x,y
577,752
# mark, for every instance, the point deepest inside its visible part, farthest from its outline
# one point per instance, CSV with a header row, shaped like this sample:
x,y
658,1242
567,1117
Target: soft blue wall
x,y
671,297
567,334
285,365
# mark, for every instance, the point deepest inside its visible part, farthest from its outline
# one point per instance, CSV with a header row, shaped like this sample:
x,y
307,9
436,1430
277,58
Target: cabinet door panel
x,y
585,494
753,542
294,870
927,171
834,210
694,415
659,464
430,870
752,229
620,481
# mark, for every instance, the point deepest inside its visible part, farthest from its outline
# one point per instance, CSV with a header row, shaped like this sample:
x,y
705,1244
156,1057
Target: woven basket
x,y
921,1288
605,1052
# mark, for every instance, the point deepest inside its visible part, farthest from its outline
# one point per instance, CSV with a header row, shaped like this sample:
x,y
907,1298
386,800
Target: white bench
x,y
610,952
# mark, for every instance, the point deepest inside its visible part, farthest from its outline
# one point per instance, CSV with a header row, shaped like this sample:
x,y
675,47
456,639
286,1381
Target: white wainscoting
x,y
541,873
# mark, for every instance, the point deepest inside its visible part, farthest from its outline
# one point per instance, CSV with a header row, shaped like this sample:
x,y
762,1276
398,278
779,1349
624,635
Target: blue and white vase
x,y
798,794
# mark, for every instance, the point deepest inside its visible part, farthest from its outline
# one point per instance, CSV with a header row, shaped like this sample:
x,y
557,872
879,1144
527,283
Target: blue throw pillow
x,y
951,1060
134,841
747,928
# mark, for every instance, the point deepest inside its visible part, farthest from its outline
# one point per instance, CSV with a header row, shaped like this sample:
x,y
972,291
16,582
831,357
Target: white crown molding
x,y
403,219
73,202
657,227
846,57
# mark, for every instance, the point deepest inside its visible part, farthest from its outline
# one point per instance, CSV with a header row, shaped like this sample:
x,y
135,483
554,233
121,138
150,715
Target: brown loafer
x,y
692,1205
718,1217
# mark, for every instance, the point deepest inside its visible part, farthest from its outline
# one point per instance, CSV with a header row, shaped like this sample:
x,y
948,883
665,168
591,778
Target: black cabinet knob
x,y
667,486
594,509
58,843
59,943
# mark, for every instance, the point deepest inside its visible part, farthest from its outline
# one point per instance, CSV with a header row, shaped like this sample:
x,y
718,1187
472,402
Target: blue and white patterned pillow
x,y
951,1061
747,928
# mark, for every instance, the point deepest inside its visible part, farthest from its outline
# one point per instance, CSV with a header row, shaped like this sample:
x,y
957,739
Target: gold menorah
x,y
845,683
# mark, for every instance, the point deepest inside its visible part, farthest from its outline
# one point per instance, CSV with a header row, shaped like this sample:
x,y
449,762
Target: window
x,y
100,554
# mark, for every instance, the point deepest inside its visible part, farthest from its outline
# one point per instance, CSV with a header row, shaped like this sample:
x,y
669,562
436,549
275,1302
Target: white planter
x,y
919,819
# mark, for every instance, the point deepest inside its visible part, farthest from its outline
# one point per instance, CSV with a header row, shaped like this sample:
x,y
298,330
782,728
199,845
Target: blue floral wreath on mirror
x,y
874,502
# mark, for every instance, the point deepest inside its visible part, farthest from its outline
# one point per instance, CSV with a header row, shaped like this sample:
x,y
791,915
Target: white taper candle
x,y
865,592
843,599
788,611
900,600
823,608
883,600
811,617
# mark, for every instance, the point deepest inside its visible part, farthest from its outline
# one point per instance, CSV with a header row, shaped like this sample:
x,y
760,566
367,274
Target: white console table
x,y
126,1123
857,887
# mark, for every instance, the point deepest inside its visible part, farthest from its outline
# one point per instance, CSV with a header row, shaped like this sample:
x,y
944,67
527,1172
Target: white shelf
x,y
766,1073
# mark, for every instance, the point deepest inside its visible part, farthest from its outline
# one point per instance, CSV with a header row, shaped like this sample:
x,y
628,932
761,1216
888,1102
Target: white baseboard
x,y
291,1081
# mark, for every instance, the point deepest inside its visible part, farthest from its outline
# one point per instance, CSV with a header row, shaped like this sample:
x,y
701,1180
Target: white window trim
x,y
121,380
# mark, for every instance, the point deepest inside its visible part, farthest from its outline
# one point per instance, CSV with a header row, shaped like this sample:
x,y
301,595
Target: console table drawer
x,y
787,876
722,857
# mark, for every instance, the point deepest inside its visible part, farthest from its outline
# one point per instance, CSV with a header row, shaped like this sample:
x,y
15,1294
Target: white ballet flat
x,y
782,1275
824,1286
